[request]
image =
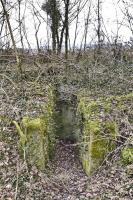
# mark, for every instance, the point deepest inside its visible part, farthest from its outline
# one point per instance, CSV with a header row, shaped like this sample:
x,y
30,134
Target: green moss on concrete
x,y
96,145
100,128
111,128
85,165
127,155
23,138
30,125
36,134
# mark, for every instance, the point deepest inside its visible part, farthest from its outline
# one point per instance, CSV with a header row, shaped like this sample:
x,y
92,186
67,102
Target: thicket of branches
x,y
56,26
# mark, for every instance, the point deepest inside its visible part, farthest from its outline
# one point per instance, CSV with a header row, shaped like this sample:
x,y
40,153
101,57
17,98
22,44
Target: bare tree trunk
x,y
20,24
37,40
58,40
61,38
86,26
55,16
53,38
77,19
99,26
2,25
36,30
12,37
48,38
67,2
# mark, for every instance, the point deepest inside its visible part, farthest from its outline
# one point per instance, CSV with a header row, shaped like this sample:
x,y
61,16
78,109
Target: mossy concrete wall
x,y
65,113
101,121
36,134
65,118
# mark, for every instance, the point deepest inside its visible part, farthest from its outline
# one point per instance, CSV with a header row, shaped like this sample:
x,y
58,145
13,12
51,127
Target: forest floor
x,y
64,178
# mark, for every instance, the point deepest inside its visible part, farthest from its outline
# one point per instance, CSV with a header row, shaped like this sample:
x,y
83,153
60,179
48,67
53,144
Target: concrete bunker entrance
x,y
65,115
65,120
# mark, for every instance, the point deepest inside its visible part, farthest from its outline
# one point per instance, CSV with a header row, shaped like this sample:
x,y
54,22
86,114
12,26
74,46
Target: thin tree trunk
x,y
37,40
66,27
20,24
48,39
58,40
12,37
77,19
99,26
86,26
61,38
2,25
53,39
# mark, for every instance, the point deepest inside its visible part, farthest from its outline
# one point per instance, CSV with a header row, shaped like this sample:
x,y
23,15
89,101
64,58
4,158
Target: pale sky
x,y
111,14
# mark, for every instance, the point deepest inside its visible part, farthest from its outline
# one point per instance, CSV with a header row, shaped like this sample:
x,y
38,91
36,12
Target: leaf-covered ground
x,y
64,179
